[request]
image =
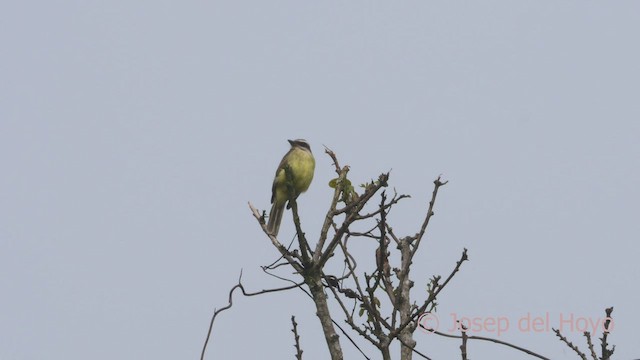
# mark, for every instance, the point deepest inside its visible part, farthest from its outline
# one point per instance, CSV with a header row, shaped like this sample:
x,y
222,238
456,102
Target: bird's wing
x,y
275,179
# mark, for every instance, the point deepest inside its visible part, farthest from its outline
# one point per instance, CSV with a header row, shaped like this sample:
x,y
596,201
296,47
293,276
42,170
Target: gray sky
x,y
133,134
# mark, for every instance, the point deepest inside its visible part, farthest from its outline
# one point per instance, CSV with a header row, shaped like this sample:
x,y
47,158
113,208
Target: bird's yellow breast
x,y
302,165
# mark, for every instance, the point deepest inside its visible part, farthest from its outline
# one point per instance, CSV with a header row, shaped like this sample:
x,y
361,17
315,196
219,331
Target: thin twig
x,y
296,337
414,349
241,287
482,338
333,157
273,264
569,344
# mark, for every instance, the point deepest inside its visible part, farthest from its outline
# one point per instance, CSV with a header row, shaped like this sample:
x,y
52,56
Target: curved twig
x,y
245,293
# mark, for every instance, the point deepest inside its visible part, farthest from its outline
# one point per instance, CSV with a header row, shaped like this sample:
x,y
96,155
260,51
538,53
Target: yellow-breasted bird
x,y
301,165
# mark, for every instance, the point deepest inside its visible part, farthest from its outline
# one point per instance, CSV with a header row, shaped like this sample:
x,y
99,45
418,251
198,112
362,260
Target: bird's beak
x,y
290,142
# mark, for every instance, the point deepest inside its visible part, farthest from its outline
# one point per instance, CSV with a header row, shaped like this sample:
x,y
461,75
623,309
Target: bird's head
x,y
302,143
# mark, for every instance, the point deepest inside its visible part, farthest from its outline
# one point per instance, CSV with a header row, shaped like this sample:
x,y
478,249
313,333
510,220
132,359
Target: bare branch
x,y
303,245
590,345
353,209
606,352
433,295
418,238
283,251
296,337
430,212
463,346
328,220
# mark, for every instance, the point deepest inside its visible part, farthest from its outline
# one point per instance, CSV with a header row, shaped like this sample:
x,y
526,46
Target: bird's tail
x,y
275,217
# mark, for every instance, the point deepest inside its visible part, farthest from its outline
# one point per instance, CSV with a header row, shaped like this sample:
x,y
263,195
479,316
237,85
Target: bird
x,y
302,165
